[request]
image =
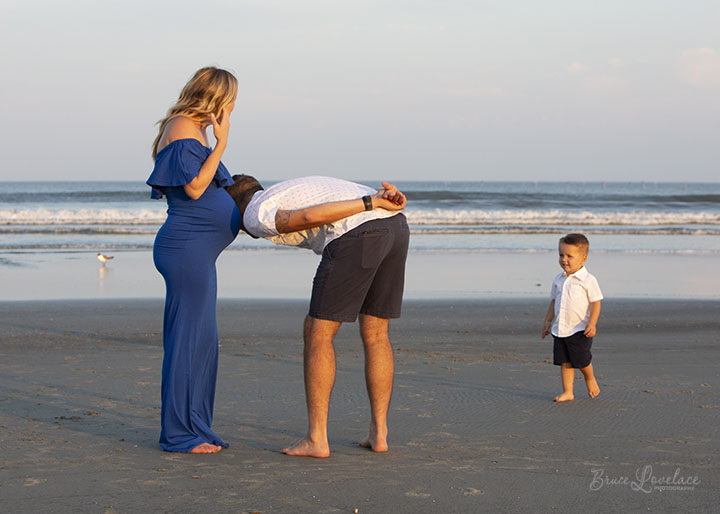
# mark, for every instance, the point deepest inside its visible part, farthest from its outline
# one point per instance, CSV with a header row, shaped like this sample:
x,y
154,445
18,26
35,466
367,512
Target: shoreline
x,y
472,424
430,274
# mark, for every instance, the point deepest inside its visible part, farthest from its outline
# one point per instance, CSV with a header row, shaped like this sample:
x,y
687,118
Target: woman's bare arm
x,y
197,186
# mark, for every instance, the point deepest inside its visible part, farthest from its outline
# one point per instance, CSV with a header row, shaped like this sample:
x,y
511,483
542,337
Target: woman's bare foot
x,y
565,397
206,448
306,448
593,389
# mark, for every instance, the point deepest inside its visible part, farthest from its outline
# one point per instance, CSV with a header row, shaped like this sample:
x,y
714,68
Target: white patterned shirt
x,y
298,193
573,294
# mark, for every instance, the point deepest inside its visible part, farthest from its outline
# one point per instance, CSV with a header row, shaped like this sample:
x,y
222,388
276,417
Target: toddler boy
x,y
572,315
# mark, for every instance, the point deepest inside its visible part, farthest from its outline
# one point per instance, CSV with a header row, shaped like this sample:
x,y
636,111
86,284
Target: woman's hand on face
x,y
221,127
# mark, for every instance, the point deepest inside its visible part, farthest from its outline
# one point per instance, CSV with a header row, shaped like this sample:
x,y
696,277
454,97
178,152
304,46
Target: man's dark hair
x,y
242,192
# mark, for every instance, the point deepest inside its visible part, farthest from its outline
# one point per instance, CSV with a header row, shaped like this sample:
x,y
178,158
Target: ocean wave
x,y
632,251
507,199
420,230
540,197
66,229
558,217
417,217
528,230
51,247
45,197
44,216
94,247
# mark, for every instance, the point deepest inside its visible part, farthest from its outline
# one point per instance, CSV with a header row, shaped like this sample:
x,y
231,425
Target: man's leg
x,y
319,366
379,370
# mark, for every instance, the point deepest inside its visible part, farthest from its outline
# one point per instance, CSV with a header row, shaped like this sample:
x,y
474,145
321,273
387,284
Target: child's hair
x,y
208,92
576,240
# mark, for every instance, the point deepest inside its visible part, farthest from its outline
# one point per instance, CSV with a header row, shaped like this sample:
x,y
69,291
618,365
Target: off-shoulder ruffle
x,y
179,163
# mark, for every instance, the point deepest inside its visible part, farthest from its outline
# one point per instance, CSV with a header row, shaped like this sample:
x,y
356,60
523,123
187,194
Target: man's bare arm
x,y
322,214
282,221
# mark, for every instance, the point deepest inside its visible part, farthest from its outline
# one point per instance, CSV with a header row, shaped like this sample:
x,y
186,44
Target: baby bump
x,y
213,221
188,245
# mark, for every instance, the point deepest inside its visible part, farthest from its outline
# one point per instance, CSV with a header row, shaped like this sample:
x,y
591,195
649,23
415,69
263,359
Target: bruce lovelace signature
x,y
645,481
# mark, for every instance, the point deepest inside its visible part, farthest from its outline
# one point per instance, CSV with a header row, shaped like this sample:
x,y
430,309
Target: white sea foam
x,y
44,216
519,217
558,217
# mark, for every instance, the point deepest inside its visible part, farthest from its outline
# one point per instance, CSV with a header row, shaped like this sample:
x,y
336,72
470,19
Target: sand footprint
x,y
29,482
417,494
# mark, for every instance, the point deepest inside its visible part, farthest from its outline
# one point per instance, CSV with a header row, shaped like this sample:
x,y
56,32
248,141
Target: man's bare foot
x,y
305,448
376,444
593,389
206,448
565,397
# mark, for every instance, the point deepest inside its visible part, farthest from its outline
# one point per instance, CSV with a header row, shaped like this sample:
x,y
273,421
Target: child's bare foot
x,y
593,389
376,444
306,448
565,397
206,448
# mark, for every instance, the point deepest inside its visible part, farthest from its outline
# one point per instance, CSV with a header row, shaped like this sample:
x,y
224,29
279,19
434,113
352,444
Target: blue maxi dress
x,y
186,248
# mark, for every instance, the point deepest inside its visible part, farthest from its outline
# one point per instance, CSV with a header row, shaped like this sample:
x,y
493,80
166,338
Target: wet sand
x,y
286,273
473,425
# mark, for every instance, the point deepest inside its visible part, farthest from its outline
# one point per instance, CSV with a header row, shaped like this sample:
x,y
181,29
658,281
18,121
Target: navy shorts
x,y
362,271
574,349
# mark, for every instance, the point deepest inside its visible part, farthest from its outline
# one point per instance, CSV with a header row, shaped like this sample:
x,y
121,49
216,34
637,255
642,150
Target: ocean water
x,y
630,217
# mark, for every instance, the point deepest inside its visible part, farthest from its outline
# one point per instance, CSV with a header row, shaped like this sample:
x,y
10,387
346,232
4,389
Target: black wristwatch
x,y
367,200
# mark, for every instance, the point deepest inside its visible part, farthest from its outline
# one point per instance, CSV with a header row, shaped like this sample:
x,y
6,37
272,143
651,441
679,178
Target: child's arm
x,y
549,316
594,315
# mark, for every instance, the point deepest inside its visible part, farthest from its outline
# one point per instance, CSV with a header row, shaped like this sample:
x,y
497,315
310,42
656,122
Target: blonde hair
x,y
208,92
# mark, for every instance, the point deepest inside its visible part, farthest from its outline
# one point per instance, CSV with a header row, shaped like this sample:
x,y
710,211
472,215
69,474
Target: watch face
x,y
367,200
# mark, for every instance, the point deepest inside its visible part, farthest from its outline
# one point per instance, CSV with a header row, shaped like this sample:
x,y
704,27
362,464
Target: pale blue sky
x,y
427,90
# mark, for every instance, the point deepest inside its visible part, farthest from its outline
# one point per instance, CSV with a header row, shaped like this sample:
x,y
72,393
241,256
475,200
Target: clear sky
x,y
398,90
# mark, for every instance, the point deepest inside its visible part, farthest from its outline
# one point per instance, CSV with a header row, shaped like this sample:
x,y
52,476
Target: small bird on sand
x,y
104,258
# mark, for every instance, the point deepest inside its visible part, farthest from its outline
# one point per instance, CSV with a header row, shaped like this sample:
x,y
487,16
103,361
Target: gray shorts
x,y
362,271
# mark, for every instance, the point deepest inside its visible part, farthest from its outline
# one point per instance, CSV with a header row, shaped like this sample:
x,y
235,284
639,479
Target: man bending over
x,y
363,240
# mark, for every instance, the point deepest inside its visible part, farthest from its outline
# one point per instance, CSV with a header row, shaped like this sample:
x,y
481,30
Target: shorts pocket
x,y
373,243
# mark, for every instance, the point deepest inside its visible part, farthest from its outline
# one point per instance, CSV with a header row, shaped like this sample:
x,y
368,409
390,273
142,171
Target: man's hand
x,y
590,331
389,198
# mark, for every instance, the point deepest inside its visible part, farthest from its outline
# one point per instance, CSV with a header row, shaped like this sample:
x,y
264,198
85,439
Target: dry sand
x,y
473,425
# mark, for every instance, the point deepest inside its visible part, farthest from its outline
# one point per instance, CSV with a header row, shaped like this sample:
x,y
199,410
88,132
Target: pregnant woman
x,y
202,220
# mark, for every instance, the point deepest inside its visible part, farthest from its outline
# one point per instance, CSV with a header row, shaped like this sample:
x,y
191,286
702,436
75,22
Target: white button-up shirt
x,y
573,294
298,193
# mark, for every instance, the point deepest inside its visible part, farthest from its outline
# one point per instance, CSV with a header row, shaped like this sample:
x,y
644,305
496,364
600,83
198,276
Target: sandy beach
x,y
473,425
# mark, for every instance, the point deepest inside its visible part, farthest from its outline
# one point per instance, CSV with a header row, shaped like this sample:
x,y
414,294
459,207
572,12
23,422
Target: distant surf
x,y
517,216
